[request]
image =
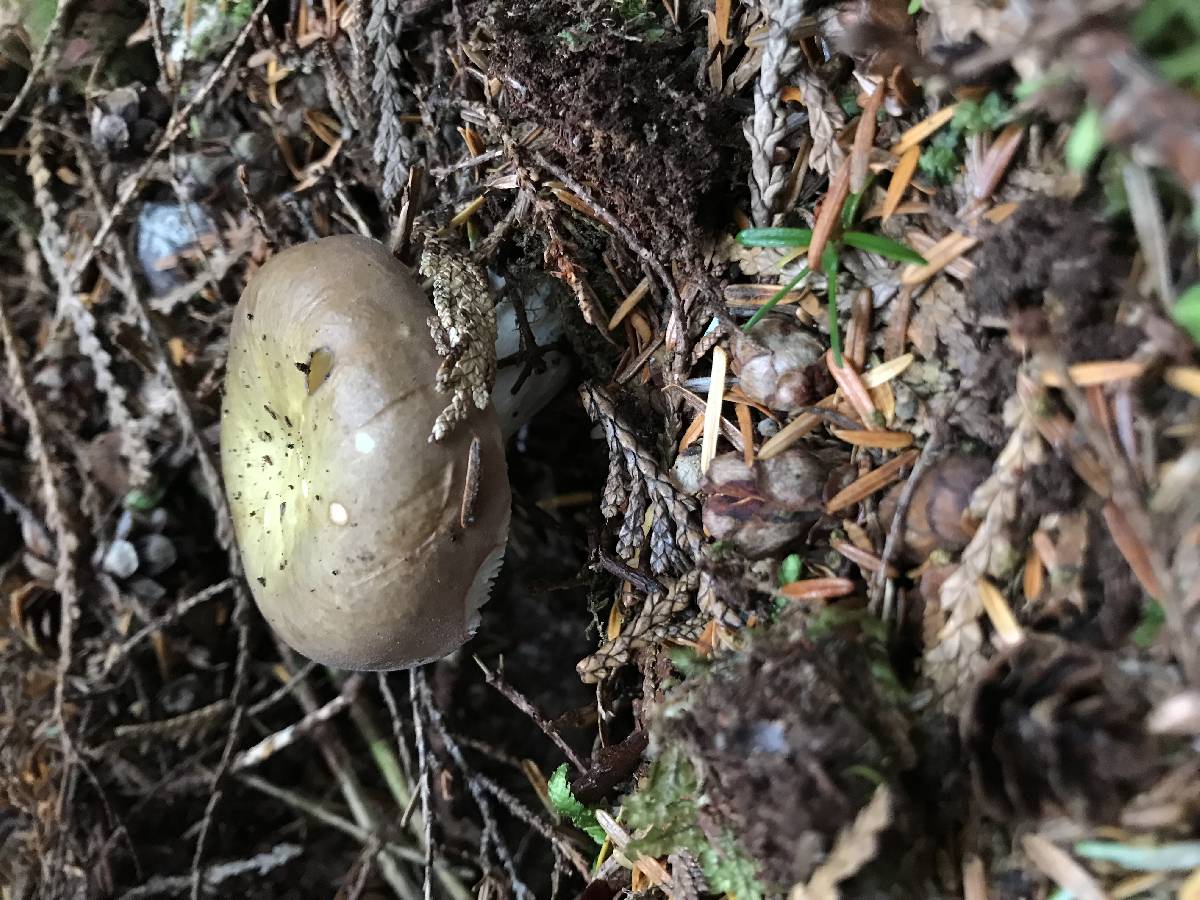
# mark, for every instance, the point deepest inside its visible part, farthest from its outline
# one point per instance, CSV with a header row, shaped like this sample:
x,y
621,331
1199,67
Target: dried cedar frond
x,y
636,484
1053,727
464,332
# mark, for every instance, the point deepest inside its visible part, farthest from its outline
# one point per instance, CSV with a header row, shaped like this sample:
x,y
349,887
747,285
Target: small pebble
x,y
120,559
147,589
156,553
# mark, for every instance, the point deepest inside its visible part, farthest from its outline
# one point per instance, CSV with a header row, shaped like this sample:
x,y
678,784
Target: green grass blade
x,y
881,246
829,264
779,295
775,237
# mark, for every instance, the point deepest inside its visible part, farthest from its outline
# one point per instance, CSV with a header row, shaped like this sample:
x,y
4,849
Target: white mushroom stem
x,y
545,321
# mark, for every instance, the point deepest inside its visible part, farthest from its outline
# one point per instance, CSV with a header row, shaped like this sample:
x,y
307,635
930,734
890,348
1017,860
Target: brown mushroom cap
x,y
348,518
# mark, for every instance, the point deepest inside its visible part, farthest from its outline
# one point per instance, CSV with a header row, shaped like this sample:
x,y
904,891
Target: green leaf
x,y
939,160
144,499
790,569
1086,140
854,202
775,237
1187,311
881,246
829,264
915,6
1182,66
779,295
987,115
1152,621
568,807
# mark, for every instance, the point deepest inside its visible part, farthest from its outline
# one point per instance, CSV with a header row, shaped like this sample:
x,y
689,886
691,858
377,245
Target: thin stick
x,y
65,581
517,699
56,28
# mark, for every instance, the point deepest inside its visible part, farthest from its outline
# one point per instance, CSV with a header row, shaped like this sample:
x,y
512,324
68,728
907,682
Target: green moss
x,y
667,806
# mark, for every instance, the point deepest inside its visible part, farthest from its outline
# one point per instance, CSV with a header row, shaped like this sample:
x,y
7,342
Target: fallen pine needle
x,y
742,411
1132,549
712,411
1033,576
1058,865
692,433
628,304
951,247
1184,378
873,481
1093,373
1000,614
817,589
852,386
864,558
467,211
885,372
864,138
924,129
830,215
883,440
794,430
901,179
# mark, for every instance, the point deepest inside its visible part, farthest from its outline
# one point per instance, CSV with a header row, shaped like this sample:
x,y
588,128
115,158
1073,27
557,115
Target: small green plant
x,y
1187,312
1152,621
790,569
668,806
1086,140
1169,32
565,804
799,238
942,157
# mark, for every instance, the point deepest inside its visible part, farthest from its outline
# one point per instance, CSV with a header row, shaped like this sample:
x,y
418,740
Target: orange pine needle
x,y
873,481
923,129
852,386
901,179
1132,549
1089,374
831,213
817,589
882,440
742,411
864,139
864,558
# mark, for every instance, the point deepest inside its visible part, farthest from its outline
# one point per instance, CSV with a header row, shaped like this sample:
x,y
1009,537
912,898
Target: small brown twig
x,y
66,542
517,699
57,24
647,584
491,836
896,526
415,683
177,612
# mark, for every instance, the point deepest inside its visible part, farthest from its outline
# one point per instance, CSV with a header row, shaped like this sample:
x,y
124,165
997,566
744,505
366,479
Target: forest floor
x,y
859,557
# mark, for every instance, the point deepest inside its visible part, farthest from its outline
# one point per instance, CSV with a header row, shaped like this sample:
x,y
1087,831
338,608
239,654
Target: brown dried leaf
x,y
856,846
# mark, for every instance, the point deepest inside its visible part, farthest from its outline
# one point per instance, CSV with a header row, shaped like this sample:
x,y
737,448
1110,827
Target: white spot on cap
x,y
338,514
304,487
363,442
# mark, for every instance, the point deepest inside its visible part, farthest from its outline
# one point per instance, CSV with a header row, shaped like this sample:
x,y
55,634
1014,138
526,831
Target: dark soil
x,y
623,107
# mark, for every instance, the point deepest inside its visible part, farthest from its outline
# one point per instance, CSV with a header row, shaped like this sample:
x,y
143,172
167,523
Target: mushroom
x,y
366,545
